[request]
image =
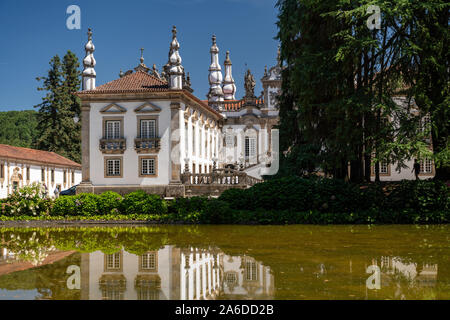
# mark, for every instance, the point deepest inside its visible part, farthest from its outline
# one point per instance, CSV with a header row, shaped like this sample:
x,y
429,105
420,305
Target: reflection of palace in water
x,y
423,275
174,274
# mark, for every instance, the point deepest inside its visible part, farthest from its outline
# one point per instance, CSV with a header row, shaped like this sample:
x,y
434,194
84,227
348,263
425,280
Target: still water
x,y
225,262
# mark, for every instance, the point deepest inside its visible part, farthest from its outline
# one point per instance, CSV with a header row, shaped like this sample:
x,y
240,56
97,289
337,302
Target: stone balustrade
x,y
228,177
113,146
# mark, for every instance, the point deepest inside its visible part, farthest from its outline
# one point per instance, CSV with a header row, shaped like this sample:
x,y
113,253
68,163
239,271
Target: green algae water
x,y
225,262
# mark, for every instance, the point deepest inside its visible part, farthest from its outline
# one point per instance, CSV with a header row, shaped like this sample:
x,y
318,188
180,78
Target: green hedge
x,y
280,201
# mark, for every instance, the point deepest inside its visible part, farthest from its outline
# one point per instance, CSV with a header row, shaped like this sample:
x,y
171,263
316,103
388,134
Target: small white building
x,y
22,166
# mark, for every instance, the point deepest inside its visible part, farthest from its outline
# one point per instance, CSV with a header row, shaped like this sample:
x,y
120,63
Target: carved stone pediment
x,y
113,108
148,107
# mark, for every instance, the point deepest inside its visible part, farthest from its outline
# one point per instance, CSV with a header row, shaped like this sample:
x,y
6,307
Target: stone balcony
x,y
113,146
147,145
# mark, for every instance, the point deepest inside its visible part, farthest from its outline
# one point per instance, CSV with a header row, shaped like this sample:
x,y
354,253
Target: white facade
x,y
171,273
198,137
17,174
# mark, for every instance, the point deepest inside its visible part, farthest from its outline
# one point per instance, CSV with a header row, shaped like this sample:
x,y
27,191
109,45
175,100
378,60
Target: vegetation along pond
x,y
225,262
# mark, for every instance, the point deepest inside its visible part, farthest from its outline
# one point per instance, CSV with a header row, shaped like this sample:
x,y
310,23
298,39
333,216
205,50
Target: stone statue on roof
x,y
249,84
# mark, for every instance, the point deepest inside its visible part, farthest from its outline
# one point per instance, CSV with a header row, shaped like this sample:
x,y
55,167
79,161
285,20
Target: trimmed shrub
x,y
217,212
86,204
109,203
236,198
64,206
139,202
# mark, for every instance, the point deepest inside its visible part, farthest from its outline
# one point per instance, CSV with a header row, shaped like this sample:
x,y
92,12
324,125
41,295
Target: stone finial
x,y
89,74
142,67
174,68
229,87
215,93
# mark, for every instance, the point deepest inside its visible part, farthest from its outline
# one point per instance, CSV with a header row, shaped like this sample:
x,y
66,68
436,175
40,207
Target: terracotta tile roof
x,y
134,82
45,157
141,82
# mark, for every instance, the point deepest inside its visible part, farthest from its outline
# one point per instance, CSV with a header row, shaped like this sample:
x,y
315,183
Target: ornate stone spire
x,y
229,88
142,67
215,74
89,63
176,69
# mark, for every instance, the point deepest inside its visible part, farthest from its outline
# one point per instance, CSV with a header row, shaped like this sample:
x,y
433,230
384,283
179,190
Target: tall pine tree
x,y
57,129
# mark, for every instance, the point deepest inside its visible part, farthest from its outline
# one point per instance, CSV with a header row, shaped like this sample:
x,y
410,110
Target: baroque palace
x,y
147,130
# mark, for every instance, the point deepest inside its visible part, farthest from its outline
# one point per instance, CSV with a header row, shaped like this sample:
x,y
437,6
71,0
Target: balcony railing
x,y
147,145
220,177
113,146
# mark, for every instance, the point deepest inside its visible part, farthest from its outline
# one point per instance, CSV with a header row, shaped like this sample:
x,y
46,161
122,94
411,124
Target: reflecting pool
x,y
225,262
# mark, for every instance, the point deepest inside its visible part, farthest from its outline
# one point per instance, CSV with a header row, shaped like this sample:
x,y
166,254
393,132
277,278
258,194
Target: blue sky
x,y
32,32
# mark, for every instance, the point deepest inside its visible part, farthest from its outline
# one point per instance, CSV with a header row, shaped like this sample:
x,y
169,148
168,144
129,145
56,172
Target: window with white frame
x,y
113,167
148,166
112,129
113,261
148,261
425,123
231,278
186,140
250,147
384,167
426,166
251,271
229,140
194,141
148,129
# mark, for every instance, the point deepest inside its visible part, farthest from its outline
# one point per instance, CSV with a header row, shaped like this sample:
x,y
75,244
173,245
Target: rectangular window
x,y
229,141
73,177
425,123
113,167
186,140
148,129
43,175
64,177
250,147
2,171
251,274
148,261
113,262
426,166
28,173
384,167
194,142
148,166
53,175
112,130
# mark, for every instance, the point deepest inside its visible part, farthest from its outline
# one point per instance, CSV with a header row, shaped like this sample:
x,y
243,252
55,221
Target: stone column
x,y
175,166
86,184
175,188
